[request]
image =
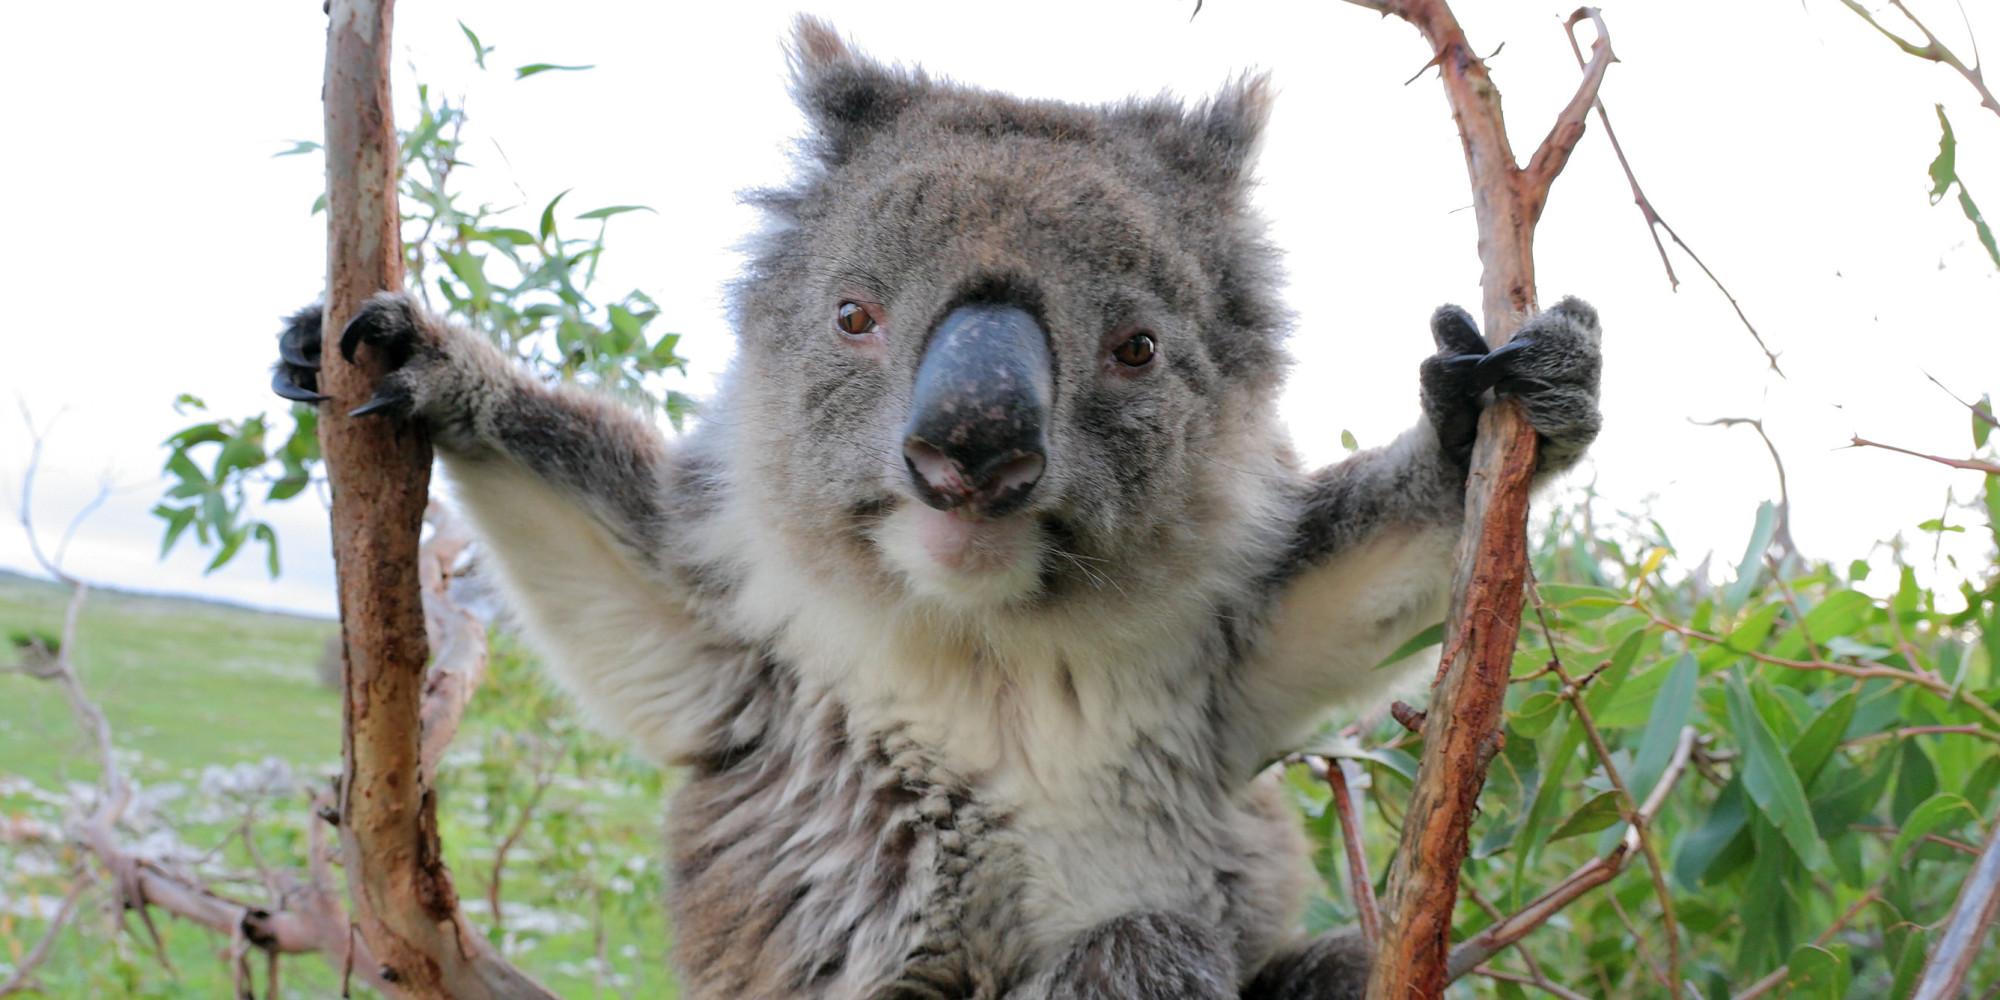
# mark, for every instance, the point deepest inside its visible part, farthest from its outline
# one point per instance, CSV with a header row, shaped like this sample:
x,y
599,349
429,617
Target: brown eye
x,y
854,319
1135,352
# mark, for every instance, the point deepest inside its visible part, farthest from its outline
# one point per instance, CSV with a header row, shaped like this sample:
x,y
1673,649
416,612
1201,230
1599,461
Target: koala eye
x,y
854,319
1136,351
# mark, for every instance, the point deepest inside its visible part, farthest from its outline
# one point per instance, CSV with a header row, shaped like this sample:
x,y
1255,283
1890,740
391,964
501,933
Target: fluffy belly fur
x,y
812,860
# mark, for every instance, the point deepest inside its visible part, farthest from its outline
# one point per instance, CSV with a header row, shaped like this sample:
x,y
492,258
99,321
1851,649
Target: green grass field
x,y
188,685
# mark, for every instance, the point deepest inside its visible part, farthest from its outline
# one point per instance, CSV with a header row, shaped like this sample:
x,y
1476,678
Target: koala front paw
x,y
296,375
1552,365
396,328
391,323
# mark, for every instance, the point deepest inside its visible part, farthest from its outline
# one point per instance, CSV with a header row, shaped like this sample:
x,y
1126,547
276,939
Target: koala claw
x,y
283,383
296,375
385,401
387,323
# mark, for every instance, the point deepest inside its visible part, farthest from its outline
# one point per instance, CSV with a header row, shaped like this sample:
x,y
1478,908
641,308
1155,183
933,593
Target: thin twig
x,y
1655,222
1481,947
542,780
1368,915
1536,980
1970,465
1932,49
23,977
1783,534
1634,815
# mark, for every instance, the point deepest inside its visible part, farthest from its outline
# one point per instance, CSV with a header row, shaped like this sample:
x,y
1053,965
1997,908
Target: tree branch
x,y
404,902
1462,725
1498,936
1965,932
1932,49
1970,465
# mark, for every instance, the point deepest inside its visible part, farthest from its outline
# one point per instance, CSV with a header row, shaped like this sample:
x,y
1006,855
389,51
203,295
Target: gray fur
x,y
1047,780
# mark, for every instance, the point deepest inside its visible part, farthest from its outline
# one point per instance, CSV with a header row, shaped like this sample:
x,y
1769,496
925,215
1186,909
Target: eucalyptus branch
x,y
1970,465
1461,728
1478,949
1333,772
1932,49
1635,815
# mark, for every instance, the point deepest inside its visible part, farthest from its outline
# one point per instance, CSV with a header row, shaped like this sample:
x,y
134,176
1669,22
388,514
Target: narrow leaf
x,y
1769,779
523,72
1940,811
1422,640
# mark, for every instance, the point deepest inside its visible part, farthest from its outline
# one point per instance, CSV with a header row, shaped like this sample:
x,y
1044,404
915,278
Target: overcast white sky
x,y
154,241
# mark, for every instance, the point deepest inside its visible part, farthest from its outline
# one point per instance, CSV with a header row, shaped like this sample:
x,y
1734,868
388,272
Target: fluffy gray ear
x,y
845,95
1217,141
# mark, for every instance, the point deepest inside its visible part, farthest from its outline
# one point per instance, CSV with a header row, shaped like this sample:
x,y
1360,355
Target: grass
x,y
188,685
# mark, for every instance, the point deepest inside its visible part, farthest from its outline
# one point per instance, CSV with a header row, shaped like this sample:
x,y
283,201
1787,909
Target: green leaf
x,y
1347,440
1769,779
479,51
270,539
1822,737
549,216
1941,811
288,487
299,146
1422,640
1944,171
1981,426
522,72
1671,709
1817,973
1748,571
1597,814
184,468
1978,223
178,519
232,540
1537,711
1916,780
605,213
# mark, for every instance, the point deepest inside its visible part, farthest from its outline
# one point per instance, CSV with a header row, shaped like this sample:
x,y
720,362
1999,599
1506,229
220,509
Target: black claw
x,y
380,404
1499,364
353,334
297,358
282,384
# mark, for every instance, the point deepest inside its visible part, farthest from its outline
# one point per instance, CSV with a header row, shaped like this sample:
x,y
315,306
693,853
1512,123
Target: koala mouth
x,y
959,558
963,543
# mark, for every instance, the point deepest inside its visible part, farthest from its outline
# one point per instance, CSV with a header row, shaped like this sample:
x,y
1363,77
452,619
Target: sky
x,y
154,240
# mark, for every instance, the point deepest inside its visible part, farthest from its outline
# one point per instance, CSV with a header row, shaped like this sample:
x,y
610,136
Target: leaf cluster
x,y
529,288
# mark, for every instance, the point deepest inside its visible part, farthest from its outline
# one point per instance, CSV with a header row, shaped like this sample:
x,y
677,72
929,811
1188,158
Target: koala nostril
x,y
992,489
936,477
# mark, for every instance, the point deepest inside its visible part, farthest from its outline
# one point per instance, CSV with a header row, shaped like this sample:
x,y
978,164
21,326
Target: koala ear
x,y
1217,140
845,95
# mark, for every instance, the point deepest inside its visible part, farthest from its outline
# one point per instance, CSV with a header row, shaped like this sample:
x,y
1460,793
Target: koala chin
x,y
981,597
962,561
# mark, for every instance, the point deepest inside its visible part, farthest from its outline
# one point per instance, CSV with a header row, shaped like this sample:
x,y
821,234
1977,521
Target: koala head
x,y
1000,351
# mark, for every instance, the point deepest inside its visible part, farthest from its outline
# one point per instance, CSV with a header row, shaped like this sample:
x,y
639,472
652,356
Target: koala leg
x,y
1145,956
1333,966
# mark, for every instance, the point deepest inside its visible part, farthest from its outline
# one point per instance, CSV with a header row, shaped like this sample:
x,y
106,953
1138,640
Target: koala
x,y
987,588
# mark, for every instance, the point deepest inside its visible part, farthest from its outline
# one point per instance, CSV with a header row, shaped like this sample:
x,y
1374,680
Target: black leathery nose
x,y
979,416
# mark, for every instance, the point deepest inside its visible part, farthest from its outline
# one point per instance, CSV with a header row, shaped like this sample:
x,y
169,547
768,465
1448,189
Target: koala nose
x,y
980,411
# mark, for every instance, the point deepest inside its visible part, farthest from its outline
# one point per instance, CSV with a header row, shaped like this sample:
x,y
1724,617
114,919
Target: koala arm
x,y
573,498
1374,537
